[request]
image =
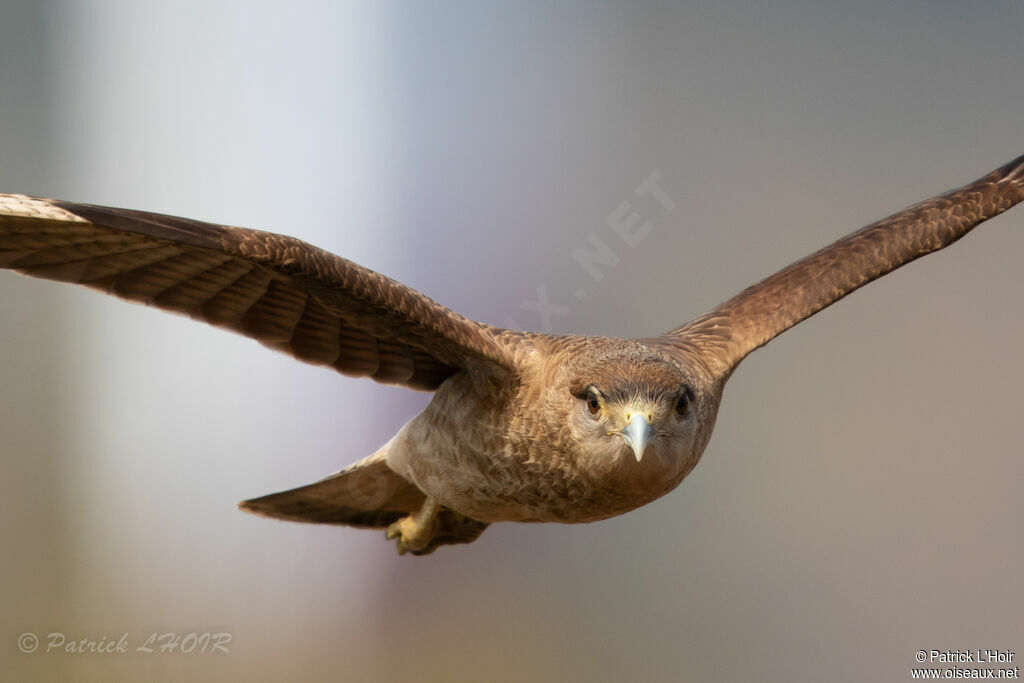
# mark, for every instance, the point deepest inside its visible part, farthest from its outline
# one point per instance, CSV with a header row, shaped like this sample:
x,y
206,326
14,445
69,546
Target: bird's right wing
x,y
760,313
280,291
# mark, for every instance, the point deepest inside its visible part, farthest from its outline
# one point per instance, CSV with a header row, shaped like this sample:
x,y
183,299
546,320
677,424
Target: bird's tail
x,y
368,495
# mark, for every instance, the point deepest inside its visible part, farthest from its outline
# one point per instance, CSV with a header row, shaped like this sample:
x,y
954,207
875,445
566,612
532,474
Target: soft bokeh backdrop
x,y
860,500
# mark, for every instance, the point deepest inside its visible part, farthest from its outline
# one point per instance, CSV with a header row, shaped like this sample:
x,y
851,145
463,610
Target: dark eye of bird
x,y
683,403
593,403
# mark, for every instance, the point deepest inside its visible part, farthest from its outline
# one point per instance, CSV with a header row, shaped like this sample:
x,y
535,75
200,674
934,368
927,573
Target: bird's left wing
x,y
763,311
278,290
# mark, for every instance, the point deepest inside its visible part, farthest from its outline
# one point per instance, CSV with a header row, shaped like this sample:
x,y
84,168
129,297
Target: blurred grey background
x,y
860,500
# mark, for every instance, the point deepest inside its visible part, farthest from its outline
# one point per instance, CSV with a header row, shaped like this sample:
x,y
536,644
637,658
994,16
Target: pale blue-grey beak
x,y
638,434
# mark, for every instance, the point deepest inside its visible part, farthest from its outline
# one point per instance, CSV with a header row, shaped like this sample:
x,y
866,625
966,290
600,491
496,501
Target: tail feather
x,y
367,495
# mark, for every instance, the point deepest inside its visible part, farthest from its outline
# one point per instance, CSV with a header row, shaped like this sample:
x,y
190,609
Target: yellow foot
x,y
414,533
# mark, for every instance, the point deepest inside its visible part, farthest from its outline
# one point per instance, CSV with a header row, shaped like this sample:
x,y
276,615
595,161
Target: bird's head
x,y
635,411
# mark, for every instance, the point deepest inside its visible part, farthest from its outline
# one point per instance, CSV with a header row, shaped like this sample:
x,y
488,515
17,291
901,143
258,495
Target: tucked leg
x,y
414,532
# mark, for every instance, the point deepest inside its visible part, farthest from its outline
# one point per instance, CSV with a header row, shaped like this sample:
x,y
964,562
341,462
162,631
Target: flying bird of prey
x,y
522,427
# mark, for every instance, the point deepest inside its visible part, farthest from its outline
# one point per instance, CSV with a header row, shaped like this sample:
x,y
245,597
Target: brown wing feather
x,y
286,294
760,313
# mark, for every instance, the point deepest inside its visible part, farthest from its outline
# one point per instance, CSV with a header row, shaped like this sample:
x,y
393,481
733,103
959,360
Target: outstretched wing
x,y
760,313
282,292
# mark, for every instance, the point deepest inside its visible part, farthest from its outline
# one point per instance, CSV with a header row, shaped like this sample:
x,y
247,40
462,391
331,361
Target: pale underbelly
x,y
481,476
500,488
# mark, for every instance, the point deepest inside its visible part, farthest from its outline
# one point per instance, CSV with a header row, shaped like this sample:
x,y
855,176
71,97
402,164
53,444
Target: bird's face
x,y
634,415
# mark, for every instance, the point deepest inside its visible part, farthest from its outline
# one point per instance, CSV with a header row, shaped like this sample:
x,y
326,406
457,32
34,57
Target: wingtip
x,y
24,206
250,506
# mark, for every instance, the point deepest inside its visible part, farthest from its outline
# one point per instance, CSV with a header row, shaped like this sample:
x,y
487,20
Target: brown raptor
x,y
522,427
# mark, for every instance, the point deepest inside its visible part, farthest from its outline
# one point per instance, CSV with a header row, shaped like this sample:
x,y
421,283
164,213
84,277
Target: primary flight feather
x,y
522,427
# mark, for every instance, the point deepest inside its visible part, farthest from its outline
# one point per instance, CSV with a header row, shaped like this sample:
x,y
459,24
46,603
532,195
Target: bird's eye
x,y
593,402
683,403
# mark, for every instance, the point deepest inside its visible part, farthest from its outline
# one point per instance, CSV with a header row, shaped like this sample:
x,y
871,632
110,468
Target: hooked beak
x,y
638,434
